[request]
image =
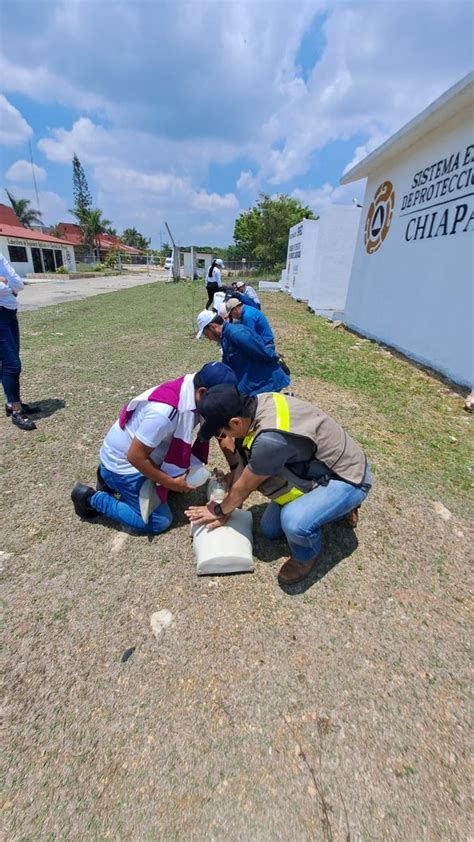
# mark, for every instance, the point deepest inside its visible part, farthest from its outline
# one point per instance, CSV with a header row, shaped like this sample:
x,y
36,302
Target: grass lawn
x,y
335,712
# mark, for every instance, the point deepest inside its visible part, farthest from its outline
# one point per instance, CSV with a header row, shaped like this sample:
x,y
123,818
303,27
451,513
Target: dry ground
x,y
338,711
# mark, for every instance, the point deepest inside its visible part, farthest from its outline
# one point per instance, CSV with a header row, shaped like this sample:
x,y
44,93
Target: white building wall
x,y
22,268
329,281
302,242
187,269
415,290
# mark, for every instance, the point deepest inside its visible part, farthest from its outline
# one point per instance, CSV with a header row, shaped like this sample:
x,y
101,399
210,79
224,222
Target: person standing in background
x,y
214,280
10,285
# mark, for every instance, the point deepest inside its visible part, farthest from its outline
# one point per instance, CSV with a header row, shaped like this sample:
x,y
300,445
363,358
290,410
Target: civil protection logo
x,y
379,217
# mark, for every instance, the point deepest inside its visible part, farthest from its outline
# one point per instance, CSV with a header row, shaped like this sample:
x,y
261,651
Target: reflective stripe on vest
x,y
288,497
283,424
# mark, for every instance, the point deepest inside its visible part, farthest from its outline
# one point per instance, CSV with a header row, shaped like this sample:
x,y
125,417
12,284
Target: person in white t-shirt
x,y
214,280
246,289
152,439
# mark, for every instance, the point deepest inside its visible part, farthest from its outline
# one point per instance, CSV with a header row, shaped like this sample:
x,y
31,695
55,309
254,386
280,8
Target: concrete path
x,y
39,293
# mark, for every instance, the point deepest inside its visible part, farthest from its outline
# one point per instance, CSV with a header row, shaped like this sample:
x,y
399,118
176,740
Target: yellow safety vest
x,y
283,425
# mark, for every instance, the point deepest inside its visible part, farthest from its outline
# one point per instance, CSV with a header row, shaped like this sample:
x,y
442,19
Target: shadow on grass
x,y
49,406
177,503
339,542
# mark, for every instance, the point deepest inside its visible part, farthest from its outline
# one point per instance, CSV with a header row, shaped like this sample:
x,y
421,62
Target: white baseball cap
x,y
203,320
220,263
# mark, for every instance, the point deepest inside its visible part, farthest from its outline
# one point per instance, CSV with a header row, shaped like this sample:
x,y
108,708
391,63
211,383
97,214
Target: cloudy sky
x,y
184,111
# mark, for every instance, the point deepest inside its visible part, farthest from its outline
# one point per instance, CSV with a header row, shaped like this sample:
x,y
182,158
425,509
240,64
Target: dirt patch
x,y
337,711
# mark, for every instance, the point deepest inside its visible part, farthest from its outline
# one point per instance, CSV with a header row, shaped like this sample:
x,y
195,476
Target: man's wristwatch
x,y
218,510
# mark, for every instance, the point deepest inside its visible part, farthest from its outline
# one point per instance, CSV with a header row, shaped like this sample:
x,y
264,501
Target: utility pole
x,y
34,179
175,255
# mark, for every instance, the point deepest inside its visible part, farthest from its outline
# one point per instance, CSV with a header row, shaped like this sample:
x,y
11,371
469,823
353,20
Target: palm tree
x,y
27,216
92,225
56,231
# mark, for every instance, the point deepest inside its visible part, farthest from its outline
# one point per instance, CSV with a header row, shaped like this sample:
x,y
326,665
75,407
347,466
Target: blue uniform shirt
x,y
255,365
257,321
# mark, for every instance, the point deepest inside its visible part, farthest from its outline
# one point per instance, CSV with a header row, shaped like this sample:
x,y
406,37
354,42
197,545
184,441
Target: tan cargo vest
x,y
332,445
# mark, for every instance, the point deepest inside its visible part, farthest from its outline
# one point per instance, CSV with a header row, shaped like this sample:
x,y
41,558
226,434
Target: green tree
x,y
80,188
27,216
262,231
132,237
92,225
165,250
56,231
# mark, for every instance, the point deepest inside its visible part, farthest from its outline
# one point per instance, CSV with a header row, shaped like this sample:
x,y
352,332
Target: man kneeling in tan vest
x,y
296,455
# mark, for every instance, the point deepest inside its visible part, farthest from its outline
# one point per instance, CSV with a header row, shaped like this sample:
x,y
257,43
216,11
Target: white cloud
x,y
159,66
100,146
21,171
213,202
361,152
53,207
165,95
246,182
320,197
153,197
91,142
208,228
14,130
44,85
382,64
129,193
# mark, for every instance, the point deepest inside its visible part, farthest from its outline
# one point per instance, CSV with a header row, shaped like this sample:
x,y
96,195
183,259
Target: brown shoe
x,y
292,572
352,519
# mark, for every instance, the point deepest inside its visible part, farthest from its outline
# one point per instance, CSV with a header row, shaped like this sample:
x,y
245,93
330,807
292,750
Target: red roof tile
x,y
107,241
8,216
28,234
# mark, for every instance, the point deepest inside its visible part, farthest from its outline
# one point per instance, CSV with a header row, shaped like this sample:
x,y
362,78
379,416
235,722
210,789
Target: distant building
x,y
31,251
319,259
107,242
412,277
194,261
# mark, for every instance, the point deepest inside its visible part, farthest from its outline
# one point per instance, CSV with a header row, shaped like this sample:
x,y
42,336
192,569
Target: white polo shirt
x,y
151,424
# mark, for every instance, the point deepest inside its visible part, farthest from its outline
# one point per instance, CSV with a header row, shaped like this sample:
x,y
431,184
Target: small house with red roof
x,y
107,243
30,251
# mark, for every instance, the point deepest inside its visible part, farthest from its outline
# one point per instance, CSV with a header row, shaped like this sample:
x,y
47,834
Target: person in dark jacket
x,y
252,318
257,367
10,364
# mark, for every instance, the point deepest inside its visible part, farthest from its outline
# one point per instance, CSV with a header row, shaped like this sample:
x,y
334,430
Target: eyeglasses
x,y
221,435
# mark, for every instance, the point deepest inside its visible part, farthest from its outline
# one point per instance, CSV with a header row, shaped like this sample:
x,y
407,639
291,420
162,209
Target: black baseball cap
x,y
217,406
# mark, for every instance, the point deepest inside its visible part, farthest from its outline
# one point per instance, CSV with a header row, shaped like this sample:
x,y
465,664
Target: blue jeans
x,y
10,354
301,520
127,509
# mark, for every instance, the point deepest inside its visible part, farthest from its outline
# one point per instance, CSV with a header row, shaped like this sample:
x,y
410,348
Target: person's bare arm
x,y
242,487
139,456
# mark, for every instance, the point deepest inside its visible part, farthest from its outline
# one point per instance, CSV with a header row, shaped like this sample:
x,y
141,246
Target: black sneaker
x,y
80,496
25,408
101,485
22,421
